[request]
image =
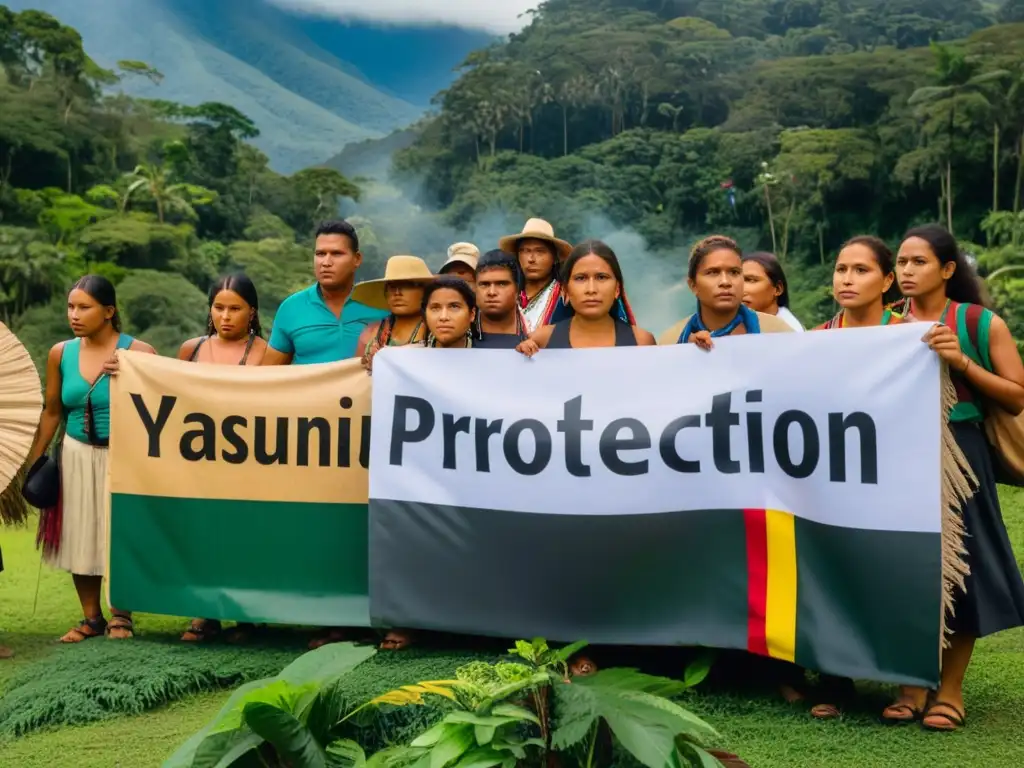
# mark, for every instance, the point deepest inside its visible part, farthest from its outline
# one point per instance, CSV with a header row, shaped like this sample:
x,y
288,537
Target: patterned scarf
x,y
745,315
539,310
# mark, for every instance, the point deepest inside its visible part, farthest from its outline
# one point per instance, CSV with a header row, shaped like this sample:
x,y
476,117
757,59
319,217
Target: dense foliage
x,y
791,123
160,197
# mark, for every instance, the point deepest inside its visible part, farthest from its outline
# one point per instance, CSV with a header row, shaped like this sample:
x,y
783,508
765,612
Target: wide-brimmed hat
x,y
462,253
536,229
407,269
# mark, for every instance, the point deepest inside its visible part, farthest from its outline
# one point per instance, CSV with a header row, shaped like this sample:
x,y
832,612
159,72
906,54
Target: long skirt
x,y
994,597
83,535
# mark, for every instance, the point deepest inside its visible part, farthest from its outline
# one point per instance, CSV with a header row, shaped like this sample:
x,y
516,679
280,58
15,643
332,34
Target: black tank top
x,y
245,355
624,336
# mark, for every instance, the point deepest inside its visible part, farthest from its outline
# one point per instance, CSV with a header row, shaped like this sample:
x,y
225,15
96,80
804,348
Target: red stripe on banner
x,y
757,579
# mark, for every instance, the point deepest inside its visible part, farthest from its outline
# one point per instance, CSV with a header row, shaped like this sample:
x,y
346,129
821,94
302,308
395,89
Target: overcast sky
x,y
492,15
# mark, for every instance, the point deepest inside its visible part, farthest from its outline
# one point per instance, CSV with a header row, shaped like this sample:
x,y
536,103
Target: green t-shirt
x,y
306,328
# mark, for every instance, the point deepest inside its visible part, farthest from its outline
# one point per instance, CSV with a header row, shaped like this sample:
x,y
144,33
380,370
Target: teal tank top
x,y
74,389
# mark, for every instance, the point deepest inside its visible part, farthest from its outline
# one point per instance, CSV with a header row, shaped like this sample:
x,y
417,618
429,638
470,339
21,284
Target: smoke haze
x,y
389,223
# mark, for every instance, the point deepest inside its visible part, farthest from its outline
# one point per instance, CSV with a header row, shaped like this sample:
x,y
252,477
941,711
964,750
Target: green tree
x,y
958,79
155,183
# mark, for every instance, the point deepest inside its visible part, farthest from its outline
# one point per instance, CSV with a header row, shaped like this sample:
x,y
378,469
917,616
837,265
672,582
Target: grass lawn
x,y
766,733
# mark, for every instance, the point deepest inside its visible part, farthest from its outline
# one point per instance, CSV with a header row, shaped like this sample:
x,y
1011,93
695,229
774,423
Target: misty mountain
x,y
312,85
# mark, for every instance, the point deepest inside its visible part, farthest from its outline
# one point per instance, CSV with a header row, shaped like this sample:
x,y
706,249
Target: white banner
x,y
839,427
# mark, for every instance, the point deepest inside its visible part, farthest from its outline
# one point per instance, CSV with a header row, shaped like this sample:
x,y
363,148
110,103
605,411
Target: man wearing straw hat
x,y
400,293
462,261
540,254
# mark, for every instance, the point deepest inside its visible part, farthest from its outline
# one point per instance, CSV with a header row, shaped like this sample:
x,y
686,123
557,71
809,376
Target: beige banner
x,y
280,433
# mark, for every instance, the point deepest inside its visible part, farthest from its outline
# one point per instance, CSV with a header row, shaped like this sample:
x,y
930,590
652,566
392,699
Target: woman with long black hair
x,y
595,294
942,289
74,536
234,336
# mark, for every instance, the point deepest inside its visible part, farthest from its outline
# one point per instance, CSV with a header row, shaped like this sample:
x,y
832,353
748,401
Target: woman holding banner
x,y
715,276
448,311
595,293
234,336
863,276
74,535
986,368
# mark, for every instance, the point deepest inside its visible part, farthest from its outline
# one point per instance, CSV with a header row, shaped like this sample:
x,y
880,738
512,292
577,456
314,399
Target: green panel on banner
x,y
258,561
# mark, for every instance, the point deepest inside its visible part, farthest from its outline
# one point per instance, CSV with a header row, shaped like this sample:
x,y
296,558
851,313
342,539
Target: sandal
x,y
826,712
122,623
95,627
834,692
201,630
955,717
901,713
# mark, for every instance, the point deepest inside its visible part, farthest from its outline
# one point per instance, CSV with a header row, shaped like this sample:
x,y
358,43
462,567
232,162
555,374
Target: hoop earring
x,y
210,328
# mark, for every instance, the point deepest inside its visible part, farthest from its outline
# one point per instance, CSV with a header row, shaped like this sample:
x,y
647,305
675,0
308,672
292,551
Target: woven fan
x,y
21,402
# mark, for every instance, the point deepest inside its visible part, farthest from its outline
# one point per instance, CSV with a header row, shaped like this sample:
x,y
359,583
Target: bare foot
x,y
397,639
6,653
791,694
334,635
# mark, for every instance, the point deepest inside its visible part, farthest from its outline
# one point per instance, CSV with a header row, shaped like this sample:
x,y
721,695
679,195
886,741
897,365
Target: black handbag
x,y
42,484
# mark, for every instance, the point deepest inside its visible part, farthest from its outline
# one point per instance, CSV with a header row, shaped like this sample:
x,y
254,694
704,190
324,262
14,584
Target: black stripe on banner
x,y
675,578
883,625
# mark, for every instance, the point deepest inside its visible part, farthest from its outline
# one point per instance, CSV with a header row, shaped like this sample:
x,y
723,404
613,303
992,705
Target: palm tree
x,y
958,76
1015,109
168,196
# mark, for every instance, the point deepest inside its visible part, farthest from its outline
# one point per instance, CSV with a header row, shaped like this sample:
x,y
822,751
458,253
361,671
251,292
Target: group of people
x,y
535,292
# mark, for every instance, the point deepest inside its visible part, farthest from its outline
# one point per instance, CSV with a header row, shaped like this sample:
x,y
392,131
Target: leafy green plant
x,y
492,727
291,719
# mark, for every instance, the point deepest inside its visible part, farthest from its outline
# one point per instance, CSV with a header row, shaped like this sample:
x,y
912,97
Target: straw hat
x,y
536,229
462,253
21,402
410,269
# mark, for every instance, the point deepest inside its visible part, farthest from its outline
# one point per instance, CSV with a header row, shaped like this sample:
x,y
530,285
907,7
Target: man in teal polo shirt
x,y
321,324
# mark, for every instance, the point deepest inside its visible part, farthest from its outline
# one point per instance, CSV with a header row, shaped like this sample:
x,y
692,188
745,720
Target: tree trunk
x,y
949,195
995,167
565,130
521,127
785,229
771,219
1020,174
160,210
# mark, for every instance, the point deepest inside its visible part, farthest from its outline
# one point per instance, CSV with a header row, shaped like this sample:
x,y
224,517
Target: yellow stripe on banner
x,y
780,619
